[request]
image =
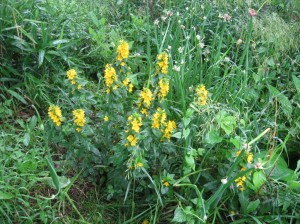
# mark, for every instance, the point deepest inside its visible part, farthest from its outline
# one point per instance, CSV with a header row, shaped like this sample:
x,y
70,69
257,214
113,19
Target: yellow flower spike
x,y
79,119
202,95
72,75
132,140
146,97
163,88
110,76
79,87
55,115
171,125
130,88
159,118
249,157
106,118
123,51
162,63
126,82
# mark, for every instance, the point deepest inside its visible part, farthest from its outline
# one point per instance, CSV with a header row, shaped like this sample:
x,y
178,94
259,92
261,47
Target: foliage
x,y
180,111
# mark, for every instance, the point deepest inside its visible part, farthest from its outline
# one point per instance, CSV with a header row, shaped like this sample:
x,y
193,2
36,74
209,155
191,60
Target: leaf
x,y
26,139
5,195
297,83
177,135
17,96
179,215
283,100
186,132
228,124
270,62
53,174
259,178
41,57
252,206
213,137
190,161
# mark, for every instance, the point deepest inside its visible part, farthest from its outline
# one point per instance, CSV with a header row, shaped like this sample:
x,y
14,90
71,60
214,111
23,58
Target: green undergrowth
x,y
197,123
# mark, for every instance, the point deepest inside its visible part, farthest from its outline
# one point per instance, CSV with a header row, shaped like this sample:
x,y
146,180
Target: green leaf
x,y
177,135
41,57
190,161
213,137
227,123
17,96
270,62
5,195
186,121
26,139
259,178
53,174
252,206
297,83
186,132
286,105
179,215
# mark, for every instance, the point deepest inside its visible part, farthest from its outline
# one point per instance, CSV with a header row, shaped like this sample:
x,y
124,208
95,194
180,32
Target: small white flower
x,y
169,47
224,181
198,37
205,217
201,45
239,41
259,166
187,8
204,17
156,22
202,7
176,68
163,18
226,59
182,62
179,21
180,50
188,37
182,26
177,14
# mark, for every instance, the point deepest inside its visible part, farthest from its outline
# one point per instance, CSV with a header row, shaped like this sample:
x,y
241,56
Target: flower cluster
x,y
159,118
170,126
72,75
123,51
240,182
162,63
135,121
202,95
110,77
54,113
146,97
79,119
163,88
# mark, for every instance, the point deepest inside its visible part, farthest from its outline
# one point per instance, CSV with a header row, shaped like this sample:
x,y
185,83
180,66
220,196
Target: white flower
x,y
169,47
180,50
239,41
156,22
224,181
176,68
198,37
204,17
226,59
163,18
201,45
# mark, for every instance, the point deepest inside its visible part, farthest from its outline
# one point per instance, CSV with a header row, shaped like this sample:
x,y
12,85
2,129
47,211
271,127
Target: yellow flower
x,y
146,97
166,183
171,125
159,118
145,221
240,182
249,157
130,88
238,153
79,119
54,113
138,165
126,82
162,63
132,140
72,75
106,118
109,76
123,51
79,87
202,95
163,88
144,111
135,122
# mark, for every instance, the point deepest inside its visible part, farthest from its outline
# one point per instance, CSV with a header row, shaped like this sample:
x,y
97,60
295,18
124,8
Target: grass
x,y
249,66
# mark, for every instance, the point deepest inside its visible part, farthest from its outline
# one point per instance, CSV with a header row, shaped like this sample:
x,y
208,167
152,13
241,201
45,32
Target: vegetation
x,y
149,111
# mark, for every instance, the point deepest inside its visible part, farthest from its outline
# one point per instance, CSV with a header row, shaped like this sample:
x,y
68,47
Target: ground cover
x,y
149,112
